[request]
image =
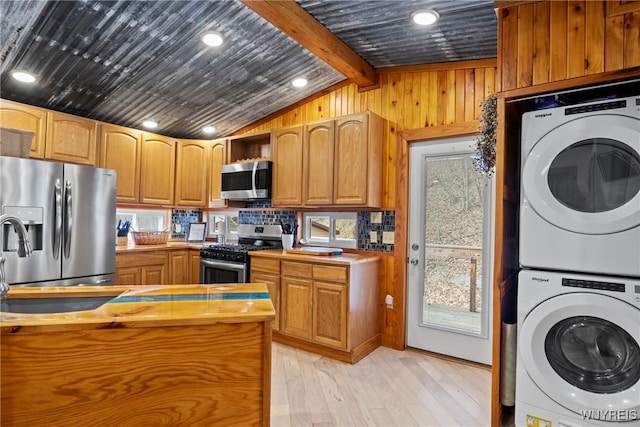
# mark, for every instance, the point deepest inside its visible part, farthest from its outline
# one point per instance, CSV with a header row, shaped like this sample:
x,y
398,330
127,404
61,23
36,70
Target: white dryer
x,y
578,358
580,200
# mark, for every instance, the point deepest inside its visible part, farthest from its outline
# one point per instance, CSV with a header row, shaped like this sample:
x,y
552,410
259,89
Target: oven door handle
x,y
222,264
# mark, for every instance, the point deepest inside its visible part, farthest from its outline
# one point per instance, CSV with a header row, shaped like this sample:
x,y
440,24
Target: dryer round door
x,y
584,175
582,350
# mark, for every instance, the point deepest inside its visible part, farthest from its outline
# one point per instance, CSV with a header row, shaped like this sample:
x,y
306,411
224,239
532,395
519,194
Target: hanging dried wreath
x,y
484,159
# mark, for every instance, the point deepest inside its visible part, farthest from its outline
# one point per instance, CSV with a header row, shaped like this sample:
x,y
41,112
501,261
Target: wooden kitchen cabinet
x,y
192,172
120,150
194,263
268,271
341,163
287,179
217,158
142,268
296,306
330,314
329,306
157,169
357,165
179,266
128,276
24,117
71,139
318,161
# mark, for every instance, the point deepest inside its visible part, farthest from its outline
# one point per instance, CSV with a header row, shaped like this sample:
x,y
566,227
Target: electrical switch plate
x,y
388,237
376,217
373,236
178,228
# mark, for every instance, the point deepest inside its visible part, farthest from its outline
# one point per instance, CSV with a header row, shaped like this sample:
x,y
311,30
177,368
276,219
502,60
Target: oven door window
x,y
212,272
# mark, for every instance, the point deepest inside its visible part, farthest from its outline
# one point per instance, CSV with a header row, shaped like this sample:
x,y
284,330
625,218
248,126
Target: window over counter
x,y
223,224
335,229
144,219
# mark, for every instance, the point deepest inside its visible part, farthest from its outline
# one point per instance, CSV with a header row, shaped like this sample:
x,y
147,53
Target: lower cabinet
x,y
194,263
179,267
158,267
141,268
329,308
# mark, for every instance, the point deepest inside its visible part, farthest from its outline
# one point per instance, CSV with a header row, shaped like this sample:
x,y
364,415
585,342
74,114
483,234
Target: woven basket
x,y
150,237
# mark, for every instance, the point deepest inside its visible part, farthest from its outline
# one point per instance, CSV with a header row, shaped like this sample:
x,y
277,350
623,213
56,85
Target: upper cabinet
x,y
318,158
157,171
120,150
217,158
342,163
192,166
357,161
253,146
286,146
25,117
71,139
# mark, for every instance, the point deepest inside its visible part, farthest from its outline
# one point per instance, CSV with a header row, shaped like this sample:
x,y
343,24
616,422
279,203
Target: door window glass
x,y
593,354
595,175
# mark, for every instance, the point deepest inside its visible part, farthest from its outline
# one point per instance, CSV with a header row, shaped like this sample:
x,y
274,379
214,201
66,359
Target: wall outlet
x,y
373,236
376,217
388,237
177,227
388,300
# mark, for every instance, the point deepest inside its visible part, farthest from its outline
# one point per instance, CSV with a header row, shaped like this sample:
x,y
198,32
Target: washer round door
x,y
582,350
584,175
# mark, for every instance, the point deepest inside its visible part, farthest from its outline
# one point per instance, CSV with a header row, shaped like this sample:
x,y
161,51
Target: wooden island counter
x,y
152,356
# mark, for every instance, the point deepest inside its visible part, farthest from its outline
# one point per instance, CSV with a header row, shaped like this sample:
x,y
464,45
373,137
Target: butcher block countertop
x,y
145,306
132,247
344,259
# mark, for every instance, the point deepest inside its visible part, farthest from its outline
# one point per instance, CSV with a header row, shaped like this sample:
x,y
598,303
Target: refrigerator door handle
x,y
68,223
57,230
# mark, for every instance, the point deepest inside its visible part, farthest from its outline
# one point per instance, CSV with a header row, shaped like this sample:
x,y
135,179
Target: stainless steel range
x,y
229,263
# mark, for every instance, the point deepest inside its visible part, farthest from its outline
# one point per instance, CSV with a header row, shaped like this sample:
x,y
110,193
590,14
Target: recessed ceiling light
x,y
23,76
150,124
209,129
299,82
425,17
212,38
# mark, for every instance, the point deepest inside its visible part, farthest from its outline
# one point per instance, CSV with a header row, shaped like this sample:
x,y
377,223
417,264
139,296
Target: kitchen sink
x,y
52,305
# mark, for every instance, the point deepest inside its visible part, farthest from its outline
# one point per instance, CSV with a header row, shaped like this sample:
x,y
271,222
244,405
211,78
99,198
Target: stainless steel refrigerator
x,y
69,211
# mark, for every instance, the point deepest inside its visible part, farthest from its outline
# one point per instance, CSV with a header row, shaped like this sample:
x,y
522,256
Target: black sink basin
x,y
52,305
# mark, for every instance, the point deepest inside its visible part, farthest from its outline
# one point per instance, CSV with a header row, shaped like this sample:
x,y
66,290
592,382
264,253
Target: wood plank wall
x,y
410,98
550,41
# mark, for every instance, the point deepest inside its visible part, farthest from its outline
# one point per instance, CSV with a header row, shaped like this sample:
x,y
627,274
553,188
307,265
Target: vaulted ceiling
x,y
125,61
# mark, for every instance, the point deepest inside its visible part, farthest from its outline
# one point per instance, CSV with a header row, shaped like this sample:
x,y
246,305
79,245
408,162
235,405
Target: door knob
x,y
414,261
415,247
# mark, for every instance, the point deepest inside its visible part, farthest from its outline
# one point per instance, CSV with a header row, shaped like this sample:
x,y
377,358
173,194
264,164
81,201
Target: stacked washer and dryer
x,y
578,351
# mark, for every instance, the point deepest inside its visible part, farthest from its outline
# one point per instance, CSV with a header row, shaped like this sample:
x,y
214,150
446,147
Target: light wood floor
x,y
387,388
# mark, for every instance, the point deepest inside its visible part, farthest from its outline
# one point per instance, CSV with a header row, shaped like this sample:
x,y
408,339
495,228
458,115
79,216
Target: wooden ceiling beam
x,y
298,24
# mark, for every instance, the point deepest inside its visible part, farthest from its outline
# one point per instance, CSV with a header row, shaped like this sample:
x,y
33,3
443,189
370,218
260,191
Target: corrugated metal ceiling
x,y
125,61
382,32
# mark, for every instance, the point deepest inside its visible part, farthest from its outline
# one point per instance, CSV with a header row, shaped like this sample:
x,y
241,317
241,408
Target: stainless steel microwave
x,y
247,180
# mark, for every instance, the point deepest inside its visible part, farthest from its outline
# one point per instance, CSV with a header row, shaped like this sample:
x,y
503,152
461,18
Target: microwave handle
x,y
254,172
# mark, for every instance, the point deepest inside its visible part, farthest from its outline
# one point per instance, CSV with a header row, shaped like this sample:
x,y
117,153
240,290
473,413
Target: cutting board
x,y
314,250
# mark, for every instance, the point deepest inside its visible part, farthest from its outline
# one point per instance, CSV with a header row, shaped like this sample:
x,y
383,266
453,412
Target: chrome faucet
x,y
24,248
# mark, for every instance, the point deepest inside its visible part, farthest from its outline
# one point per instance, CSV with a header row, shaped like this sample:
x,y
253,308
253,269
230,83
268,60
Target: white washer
x,y
580,200
578,359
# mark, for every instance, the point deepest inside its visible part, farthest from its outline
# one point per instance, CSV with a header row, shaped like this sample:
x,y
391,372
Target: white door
x,y
450,251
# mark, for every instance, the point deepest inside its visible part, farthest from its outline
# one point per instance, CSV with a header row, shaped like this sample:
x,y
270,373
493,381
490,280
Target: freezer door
x,y
89,213
29,189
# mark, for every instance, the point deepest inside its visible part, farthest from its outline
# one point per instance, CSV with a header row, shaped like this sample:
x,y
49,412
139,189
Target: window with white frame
x,y
223,224
143,219
336,229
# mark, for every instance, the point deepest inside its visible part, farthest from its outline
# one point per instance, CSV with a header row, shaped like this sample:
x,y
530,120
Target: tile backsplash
x,y
384,229
268,217
183,217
